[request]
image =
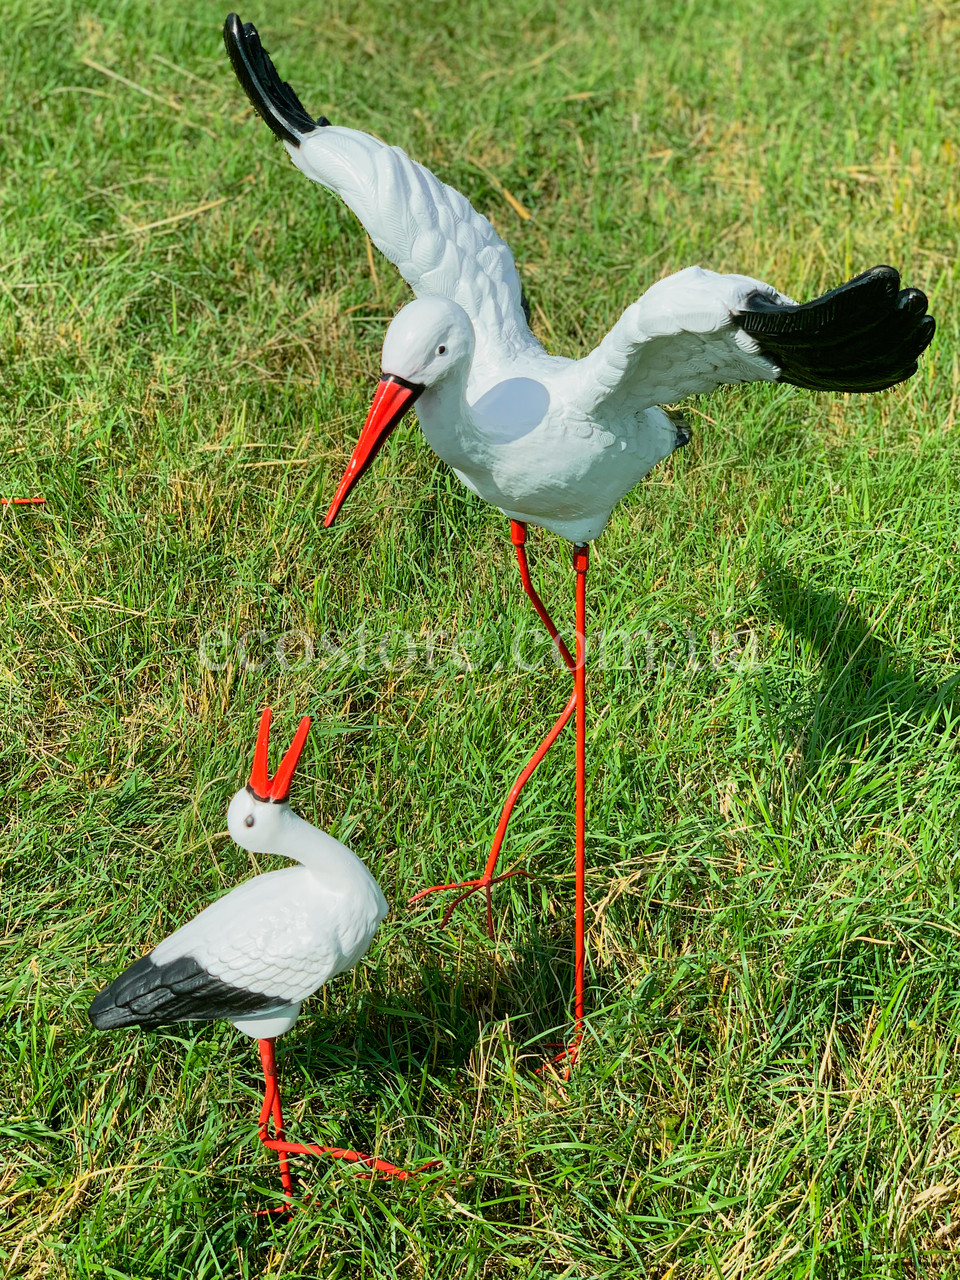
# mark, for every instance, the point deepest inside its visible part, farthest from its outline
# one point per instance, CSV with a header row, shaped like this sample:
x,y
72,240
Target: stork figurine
x,y
253,956
551,441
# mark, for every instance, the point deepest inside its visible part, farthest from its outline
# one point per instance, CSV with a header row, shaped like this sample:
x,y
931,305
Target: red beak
x,y
394,397
276,788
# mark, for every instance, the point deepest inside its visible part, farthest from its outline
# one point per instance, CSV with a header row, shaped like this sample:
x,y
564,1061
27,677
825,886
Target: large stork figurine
x,y
548,440
253,956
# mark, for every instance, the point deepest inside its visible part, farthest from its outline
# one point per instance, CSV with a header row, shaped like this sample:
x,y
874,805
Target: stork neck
x,y
447,422
315,850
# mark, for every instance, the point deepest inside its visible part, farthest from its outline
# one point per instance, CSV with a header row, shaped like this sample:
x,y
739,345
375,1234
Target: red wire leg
x,y
518,535
271,1109
488,878
22,502
569,1053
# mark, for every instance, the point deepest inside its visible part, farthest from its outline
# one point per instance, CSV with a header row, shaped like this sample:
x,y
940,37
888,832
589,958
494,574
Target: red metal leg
x,y
518,535
488,878
580,558
271,1110
568,1054
578,703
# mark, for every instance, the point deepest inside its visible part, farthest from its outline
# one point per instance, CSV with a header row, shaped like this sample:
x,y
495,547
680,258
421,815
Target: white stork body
x,y
557,442
548,440
253,956
282,935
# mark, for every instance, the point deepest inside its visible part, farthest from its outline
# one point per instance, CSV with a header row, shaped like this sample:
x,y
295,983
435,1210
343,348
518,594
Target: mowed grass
x,y
189,336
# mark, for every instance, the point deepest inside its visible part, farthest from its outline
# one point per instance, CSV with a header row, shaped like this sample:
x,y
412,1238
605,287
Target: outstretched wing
x,y
429,231
695,330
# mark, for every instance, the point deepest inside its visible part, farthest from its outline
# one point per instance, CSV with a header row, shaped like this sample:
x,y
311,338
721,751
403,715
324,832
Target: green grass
x,y
189,335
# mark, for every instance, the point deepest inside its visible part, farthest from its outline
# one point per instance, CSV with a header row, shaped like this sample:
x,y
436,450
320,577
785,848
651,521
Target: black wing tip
x,y
864,336
272,98
842,308
928,327
108,1016
882,272
110,1009
682,427
150,995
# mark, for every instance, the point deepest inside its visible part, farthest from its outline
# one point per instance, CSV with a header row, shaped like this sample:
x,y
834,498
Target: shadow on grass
x,y
433,1027
862,680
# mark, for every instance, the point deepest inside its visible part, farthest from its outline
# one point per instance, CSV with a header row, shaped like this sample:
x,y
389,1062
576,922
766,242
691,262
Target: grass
x,y
189,335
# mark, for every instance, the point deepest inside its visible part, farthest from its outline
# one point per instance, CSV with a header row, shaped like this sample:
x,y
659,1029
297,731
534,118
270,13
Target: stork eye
x,y
249,820
441,349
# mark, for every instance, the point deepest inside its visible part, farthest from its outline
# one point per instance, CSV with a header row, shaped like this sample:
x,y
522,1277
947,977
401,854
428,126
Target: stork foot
x,y
470,887
372,1166
271,1111
278,1212
562,1063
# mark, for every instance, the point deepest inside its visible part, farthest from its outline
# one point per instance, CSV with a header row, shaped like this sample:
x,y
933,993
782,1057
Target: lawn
x,y
189,337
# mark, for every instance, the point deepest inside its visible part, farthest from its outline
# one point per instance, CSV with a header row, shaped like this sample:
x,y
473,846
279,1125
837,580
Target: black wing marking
x,y
148,995
272,97
865,335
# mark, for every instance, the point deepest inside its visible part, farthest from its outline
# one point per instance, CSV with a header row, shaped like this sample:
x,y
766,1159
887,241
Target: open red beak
x,y
394,397
276,788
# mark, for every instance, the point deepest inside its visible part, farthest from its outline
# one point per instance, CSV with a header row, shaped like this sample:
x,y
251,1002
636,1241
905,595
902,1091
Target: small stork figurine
x,y
253,956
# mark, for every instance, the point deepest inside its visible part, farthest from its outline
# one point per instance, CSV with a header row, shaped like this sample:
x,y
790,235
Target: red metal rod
x,y
521,782
488,878
372,1166
578,703
271,1105
518,536
271,1109
580,557
22,502
568,1053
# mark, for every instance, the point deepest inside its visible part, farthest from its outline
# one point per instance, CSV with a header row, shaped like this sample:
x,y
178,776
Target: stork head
x,y
427,342
259,813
